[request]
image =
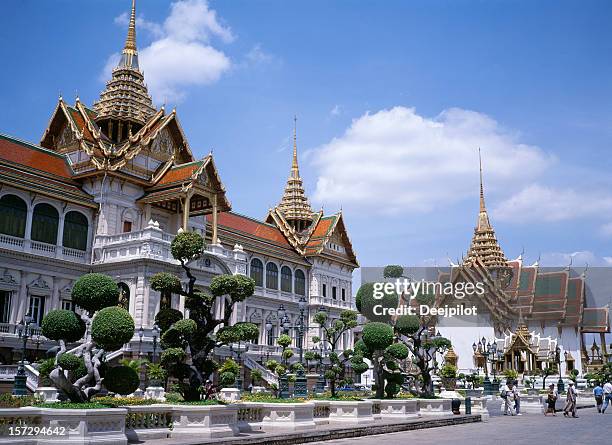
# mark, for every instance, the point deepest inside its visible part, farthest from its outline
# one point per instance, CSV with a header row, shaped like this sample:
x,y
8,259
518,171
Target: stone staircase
x,y
266,374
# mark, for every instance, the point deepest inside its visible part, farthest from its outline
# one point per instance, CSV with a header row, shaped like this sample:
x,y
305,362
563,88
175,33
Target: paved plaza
x,y
589,428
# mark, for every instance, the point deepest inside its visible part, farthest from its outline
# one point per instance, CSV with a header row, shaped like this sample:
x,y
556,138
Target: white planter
x,y
288,417
351,412
479,406
85,426
229,394
206,422
398,408
156,393
258,389
531,404
435,407
47,393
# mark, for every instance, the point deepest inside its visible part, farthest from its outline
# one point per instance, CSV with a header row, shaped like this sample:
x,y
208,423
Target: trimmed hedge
x,y
121,380
60,324
69,362
186,245
377,336
167,317
112,327
95,291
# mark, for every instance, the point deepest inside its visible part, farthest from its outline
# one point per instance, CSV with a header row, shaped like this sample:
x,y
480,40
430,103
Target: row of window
x,y
36,307
286,277
45,223
334,292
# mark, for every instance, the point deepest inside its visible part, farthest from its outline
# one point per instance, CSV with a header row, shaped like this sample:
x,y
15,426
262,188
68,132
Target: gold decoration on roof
x,y
126,97
484,243
294,204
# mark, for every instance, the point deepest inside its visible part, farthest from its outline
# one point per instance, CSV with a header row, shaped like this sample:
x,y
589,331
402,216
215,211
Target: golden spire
x,y
484,243
294,204
126,97
130,41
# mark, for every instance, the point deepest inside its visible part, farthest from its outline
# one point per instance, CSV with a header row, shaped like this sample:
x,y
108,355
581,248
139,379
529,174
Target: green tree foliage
x,y
95,291
198,333
333,330
371,307
167,317
60,324
105,328
122,380
393,271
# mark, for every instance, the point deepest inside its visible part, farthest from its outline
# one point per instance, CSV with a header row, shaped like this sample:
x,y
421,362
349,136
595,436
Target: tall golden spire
x,y
130,41
484,243
294,204
125,104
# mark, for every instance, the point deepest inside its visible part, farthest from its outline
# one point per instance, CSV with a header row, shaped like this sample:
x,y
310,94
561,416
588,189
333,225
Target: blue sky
x,y
393,99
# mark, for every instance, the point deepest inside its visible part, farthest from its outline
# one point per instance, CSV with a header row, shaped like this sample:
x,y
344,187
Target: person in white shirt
x,y
507,393
607,389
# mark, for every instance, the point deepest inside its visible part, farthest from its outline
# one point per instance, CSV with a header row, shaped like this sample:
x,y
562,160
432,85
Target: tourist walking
x,y
607,389
551,400
517,398
570,401
508,395
598,392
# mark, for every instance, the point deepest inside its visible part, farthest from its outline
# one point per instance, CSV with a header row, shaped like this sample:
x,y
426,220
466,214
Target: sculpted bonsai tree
x,y
202,332
377,345
424,348
103,327
333,331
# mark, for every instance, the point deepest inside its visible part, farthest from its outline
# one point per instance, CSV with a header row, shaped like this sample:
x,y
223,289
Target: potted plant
x,y
156,374
448,374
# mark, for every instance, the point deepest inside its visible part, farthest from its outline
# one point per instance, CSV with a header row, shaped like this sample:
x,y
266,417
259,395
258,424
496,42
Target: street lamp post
x,y
155,332
141,370
24,331
484,349
560,384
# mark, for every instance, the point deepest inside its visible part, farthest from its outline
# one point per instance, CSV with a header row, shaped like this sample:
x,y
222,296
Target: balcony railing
x,y
42,249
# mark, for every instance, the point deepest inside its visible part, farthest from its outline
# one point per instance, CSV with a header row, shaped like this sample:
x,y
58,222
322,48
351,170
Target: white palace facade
x,y
107,189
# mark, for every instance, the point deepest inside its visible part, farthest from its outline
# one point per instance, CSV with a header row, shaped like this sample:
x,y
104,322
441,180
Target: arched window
x,y
45,223
257,271
13,215
286,279
75,231
271,276
124,296
300,283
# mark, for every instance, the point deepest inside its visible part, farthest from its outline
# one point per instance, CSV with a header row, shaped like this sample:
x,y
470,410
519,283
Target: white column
x,y
60,237
214,220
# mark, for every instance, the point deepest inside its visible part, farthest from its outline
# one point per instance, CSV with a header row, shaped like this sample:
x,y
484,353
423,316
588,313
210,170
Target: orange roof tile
x,y
22,153
179,173
80,123
252,227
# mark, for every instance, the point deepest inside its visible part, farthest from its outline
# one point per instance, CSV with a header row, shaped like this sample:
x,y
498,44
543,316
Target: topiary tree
x,y
377,345
202,332
333,331
122,380
228,372
103,326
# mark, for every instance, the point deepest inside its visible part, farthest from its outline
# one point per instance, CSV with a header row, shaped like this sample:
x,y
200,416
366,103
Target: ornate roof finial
x,y
126,97
130,41
294,204
484,243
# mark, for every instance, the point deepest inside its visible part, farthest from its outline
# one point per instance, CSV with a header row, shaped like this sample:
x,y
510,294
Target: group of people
x,y
603,396
570,401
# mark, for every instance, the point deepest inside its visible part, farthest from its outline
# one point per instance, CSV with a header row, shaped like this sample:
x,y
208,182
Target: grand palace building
x,y
107,189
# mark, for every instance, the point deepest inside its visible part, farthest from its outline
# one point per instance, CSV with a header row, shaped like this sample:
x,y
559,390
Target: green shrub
x,y
227,379
166,282
377,336
69,362
185,327
187,245
7,400
366,303
393,271
229,365
121,380
112,327
398,351
407,324
283,340
95,291
171,356
167,317
448,371
238,287
60,324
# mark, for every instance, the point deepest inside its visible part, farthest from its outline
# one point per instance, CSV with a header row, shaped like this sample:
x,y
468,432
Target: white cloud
x,y
576,259
181,54
397,161
541,203
336,110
